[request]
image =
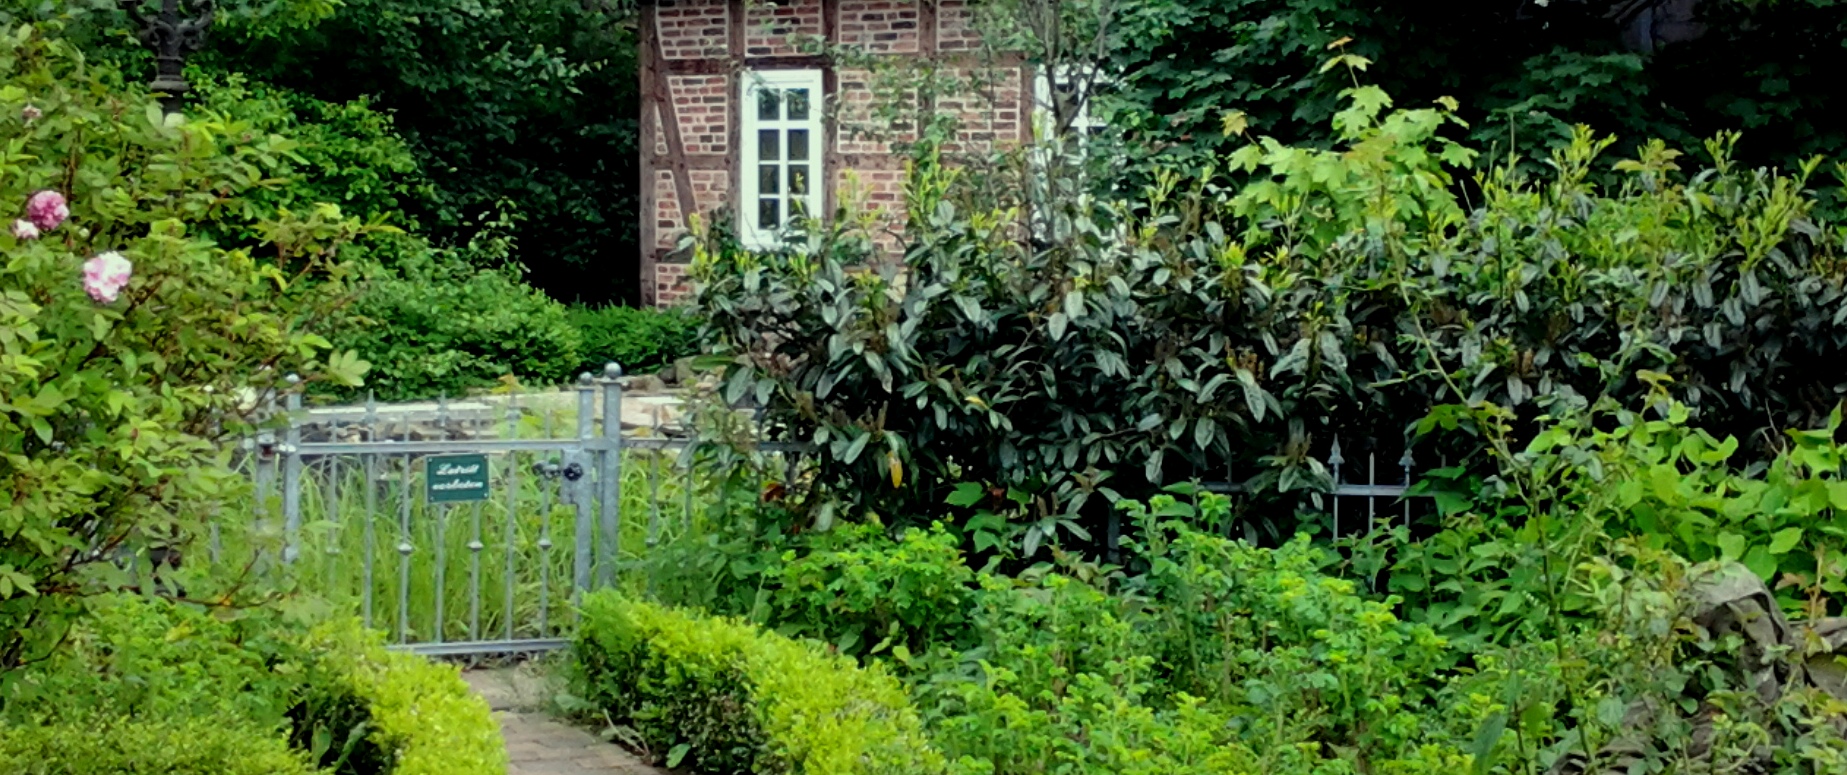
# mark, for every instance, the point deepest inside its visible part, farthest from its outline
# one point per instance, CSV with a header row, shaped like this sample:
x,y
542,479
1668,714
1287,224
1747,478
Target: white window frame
x,y
750,174
1045,116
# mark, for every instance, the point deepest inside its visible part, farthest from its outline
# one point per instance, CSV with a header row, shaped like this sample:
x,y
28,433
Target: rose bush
x,y
123,333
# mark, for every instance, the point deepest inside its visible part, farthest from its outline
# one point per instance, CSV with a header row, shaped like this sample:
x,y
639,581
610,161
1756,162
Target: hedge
x,y
126,746
720,696
155,686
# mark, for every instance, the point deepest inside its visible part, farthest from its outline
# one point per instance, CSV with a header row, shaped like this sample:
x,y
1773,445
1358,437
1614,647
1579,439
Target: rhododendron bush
x,y
124,334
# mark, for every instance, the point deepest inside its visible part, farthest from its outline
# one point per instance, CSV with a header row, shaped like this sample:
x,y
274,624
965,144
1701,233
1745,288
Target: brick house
x,y
744,113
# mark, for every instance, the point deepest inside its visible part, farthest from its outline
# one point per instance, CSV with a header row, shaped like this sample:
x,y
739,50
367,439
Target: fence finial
x,y
585,379
612,370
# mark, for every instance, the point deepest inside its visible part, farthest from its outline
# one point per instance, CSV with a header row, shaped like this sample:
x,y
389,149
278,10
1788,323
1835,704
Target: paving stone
x,y
540,745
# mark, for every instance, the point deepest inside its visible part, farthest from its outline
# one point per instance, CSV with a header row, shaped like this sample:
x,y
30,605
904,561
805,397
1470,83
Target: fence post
x,y
291,475
586,432
610,547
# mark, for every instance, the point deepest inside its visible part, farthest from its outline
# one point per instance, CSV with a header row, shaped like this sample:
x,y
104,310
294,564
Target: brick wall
x,y
695,38
879,26
692,29
778,27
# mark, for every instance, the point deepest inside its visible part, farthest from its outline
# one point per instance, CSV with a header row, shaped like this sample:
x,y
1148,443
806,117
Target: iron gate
x,y
354,512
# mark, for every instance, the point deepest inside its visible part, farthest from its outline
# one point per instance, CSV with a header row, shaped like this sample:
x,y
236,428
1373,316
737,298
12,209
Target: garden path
x,y
540,745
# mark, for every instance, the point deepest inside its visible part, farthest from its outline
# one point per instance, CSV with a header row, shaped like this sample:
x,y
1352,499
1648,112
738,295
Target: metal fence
x,y
461,531
472,529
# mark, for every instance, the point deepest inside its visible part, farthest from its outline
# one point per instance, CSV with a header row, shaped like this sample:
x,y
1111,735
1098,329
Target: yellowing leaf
x,y
1344,40
897,469
1235,122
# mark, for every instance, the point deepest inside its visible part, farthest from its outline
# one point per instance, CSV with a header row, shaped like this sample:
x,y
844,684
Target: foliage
x,y
269,678
1339,295
1527,73
440,326
716,695
419,715
640,339
151,746
867,596
510,106
347,154
111,409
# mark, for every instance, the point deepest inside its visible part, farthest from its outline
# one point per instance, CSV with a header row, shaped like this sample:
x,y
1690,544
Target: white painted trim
x,y
1044,116
749,193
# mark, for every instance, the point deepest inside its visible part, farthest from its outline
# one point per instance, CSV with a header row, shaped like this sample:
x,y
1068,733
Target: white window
x,y
782,139
1063,93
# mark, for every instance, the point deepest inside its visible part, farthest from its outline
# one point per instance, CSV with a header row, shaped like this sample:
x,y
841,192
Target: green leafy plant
x,y
642,340
870,595
127,341
716,695
189,745
438,326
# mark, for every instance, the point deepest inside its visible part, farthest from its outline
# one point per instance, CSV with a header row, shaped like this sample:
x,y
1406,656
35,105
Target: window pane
x,y
768,105
798,104
768,144
798,178
767,179
769,214
798,145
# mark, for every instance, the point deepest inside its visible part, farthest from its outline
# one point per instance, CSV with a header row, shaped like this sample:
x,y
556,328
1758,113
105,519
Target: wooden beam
x,y
928,46
734,96
650,204
697,161
670,130
815,62
830,88
871,161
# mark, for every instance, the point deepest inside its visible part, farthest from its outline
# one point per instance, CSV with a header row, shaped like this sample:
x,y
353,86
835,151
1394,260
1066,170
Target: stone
x,y
684,373
645,384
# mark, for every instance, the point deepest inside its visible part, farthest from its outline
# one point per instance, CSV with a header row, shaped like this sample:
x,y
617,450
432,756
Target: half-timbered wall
x,y
694,53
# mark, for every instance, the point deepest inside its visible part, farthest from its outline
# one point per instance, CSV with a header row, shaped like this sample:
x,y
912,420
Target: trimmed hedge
x,y
719,696
125,746
139,679
642,340
420,713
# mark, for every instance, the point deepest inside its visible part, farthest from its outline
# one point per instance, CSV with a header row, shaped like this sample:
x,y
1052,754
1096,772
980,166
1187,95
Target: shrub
x,y
640,339
1339,294
420,717
867,594
331,690
437,326
719,696
114,399
198,745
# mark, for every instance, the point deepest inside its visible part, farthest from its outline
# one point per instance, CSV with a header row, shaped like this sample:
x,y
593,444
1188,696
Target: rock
x,y
645,384
683,372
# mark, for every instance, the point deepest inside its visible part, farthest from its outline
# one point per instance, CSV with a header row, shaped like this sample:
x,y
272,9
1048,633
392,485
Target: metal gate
x,y
455,533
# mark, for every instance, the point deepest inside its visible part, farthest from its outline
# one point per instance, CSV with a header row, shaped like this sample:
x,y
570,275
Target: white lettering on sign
x,y
459,484
450,469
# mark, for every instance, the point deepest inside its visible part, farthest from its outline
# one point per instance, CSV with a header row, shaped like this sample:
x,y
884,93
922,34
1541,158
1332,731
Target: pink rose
x,y
47,210
105,275
24,230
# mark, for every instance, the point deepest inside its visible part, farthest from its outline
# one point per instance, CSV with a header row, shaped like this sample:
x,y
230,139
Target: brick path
x,y
537,745
540,745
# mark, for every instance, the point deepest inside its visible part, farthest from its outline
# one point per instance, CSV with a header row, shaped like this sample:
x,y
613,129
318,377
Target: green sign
x,y
455,478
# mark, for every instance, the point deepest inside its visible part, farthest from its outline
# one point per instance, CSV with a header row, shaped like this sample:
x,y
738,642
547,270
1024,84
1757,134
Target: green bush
x,y
1340,294
420,717
329,691
866,594
438,326
641,339
114,402
197,745
719,696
